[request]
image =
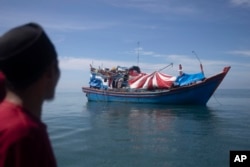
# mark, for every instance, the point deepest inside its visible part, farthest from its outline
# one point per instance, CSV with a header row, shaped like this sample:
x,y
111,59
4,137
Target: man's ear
x,y
49,71
50,79
52,69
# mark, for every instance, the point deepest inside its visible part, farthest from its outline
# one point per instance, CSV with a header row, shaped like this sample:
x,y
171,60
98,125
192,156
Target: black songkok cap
x,y
25,52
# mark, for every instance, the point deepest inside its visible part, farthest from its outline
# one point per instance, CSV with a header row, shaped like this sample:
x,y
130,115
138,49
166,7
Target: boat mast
x,y
138,47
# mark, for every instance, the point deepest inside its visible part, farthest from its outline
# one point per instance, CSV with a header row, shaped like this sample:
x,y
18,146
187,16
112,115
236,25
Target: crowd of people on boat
x,y
116,77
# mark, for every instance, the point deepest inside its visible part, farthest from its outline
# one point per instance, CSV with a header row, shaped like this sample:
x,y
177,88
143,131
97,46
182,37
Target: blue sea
x,y
100,134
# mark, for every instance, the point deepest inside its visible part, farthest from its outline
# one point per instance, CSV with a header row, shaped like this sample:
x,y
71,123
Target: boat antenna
x,y
196,56
199,61
138,45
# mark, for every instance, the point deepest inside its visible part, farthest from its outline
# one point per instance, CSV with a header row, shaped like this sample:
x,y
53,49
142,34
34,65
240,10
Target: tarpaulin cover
x,y
96,82
186,79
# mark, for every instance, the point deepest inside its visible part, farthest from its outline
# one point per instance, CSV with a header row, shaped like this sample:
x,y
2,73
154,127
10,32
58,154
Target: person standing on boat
x,y
28,61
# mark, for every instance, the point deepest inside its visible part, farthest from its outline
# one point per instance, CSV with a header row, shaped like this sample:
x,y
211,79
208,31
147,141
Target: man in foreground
x,y
28,61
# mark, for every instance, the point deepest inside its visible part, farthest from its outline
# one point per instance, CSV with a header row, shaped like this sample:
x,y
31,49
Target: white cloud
x,y
240,2
245,53
75,70
154,6
69,25
10,18
76,63
189,64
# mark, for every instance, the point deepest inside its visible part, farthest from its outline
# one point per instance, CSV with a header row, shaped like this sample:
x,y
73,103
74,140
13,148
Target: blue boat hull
x,y
196,94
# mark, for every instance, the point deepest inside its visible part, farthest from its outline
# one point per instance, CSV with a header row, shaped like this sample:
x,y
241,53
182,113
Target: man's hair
x,y
25,53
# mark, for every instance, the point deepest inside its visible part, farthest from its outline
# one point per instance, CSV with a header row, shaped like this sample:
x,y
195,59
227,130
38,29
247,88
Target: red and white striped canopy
x,y
156,80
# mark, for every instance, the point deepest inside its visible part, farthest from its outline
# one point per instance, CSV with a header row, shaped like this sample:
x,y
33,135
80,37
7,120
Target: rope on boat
x,y
171,64
217,100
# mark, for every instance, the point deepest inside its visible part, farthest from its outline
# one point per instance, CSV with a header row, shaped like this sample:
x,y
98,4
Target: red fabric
x,y
155,80
2,86
24,140
162,81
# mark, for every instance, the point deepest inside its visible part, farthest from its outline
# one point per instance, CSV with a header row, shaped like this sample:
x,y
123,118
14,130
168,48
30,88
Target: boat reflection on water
x,y
147,134
121,108
136,116
148,116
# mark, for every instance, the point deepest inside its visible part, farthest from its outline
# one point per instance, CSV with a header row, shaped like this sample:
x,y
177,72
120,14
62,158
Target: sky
x,y
148,33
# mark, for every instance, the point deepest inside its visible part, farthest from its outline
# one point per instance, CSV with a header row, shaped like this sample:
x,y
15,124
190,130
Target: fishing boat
x,y
130,85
